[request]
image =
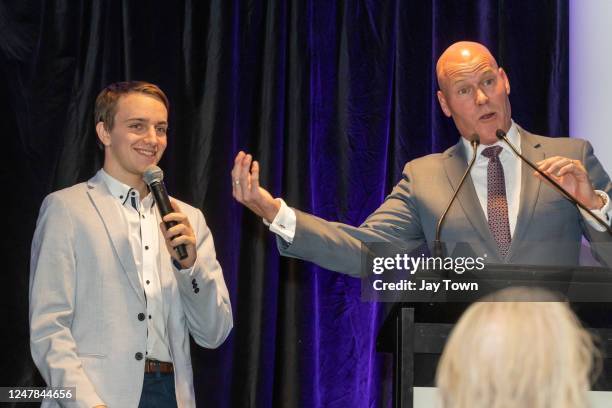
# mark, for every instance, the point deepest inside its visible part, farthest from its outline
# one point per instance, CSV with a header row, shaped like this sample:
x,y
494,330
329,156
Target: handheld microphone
x,y
154,178
438,250
501,135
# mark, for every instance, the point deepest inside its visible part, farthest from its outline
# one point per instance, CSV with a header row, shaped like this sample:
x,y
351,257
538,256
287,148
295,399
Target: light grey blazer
x,y
85,298
548,231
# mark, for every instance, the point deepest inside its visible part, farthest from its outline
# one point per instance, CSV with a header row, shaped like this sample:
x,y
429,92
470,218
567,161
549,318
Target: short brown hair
x,y
106,102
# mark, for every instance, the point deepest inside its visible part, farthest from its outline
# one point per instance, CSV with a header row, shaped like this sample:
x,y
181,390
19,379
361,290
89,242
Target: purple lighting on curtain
x,y
332,98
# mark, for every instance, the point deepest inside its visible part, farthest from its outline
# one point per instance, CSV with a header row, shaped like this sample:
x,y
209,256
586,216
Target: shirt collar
x,y
513,136
123,192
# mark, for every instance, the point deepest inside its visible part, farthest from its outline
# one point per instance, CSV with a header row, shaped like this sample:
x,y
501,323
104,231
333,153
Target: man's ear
x,y
443,104
103,134
504,77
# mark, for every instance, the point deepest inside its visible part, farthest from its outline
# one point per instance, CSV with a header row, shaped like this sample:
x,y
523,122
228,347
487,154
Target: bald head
x,y
461,58
474,91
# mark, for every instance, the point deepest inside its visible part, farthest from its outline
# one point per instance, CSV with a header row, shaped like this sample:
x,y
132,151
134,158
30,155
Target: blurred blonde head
x,y
524,352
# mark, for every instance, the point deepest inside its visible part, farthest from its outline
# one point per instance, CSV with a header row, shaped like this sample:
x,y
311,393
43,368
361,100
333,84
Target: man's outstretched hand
x,y
246,189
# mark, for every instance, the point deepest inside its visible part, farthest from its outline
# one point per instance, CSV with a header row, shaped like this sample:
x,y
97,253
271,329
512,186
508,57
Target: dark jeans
x,y
158,391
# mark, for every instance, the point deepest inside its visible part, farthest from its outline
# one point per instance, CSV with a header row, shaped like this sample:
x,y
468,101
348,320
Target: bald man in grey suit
x,y
516,218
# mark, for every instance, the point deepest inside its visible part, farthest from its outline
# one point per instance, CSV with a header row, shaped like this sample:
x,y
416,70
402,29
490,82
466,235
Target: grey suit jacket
x,y
85,298
548,231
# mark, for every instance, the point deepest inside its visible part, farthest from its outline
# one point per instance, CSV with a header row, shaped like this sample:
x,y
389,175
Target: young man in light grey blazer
x,y
111,304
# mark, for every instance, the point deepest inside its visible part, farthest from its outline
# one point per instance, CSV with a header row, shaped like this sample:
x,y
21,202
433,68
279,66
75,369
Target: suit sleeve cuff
x,y
604,213
284,223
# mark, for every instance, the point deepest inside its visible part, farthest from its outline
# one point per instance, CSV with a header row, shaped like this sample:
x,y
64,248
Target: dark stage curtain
x,y
332,97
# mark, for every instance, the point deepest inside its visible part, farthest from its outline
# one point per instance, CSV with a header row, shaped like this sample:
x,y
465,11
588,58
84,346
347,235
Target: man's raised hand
x,y
246,189
573,177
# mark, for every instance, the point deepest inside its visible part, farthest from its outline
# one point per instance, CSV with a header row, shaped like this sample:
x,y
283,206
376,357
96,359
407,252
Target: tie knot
x,y
492,151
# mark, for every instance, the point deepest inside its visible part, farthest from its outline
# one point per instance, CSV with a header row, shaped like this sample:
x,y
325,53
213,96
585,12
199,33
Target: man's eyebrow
x,y
163,122
457,82
460,80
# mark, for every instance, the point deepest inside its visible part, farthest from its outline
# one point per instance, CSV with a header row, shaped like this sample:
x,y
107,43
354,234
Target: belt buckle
x,y
159,367
153,366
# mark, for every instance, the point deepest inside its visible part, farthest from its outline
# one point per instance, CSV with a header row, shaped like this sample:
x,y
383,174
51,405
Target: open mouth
x,y
145,152
487,116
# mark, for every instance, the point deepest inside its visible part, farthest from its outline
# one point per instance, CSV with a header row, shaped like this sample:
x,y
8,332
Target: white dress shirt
x,y
284,223
143,233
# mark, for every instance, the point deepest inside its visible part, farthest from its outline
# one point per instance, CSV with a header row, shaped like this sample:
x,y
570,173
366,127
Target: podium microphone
x,y
154,177
501,135
438,250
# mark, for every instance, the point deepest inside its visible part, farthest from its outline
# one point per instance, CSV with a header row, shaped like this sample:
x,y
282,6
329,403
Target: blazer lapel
x,y
117,232
455,165
530,188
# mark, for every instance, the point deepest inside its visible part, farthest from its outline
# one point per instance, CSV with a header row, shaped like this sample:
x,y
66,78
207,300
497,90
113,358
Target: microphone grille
x,y
152,174
500,134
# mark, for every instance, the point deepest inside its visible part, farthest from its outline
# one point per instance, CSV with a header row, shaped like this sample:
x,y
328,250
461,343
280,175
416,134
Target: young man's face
x,y
138,137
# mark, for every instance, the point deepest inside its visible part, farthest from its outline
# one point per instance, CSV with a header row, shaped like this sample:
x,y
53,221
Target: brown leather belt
x,y
154,366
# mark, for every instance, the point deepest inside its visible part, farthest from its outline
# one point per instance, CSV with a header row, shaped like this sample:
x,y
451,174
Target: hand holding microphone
x,y
179,236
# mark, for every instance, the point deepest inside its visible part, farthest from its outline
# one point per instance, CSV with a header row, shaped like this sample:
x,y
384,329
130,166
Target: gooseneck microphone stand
x,y
438,249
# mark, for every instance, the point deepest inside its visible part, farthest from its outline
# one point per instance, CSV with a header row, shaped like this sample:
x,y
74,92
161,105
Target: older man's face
x,y
474,92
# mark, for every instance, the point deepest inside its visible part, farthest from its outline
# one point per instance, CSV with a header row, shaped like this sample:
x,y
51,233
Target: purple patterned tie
x,y
497,205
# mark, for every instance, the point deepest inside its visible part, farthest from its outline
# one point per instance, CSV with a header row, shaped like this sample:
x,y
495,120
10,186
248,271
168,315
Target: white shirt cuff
x,y
284,223
604,213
